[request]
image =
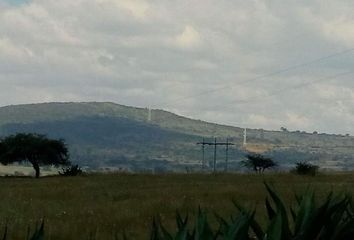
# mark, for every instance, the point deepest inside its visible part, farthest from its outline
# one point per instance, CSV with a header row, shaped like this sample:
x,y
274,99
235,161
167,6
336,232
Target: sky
x,y
257,63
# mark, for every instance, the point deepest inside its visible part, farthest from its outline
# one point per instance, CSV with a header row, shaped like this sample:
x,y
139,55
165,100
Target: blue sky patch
x,y
17,2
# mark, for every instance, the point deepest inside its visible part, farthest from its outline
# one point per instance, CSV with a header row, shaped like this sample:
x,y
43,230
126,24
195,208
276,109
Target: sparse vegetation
x,y
73,170
306,168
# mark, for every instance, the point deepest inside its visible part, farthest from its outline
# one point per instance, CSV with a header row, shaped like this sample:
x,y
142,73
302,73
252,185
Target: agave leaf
x,y
337,217
224,225
4,237
155,233
123,234
182,231
306,213
314,218
240,228
270,210
39,233
328,219
28,233
179,220
293,214
298,199
274,231
203,230
344,231
283,218
182,235
316,228
165,234
254,225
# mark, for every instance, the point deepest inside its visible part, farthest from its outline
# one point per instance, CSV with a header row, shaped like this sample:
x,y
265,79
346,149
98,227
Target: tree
x,y
34,148
284,129
305,168
258,162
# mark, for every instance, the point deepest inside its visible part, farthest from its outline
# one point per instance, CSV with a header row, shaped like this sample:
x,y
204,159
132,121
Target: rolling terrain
x,y
102,135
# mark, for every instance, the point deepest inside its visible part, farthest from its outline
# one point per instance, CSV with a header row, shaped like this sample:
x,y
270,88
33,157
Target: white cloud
x,y
198,58
136,8
297,121
189,38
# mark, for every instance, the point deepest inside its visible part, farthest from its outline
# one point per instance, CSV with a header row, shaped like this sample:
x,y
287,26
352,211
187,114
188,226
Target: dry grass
x,y
74,207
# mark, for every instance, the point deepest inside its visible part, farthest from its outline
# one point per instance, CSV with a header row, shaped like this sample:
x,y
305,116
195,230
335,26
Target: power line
x,y
274,73
298,86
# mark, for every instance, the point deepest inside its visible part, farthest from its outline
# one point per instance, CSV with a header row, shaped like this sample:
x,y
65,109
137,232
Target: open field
x,y
74,207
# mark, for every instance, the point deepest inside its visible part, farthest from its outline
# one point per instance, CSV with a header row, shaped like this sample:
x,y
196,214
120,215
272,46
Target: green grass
x,y
76,207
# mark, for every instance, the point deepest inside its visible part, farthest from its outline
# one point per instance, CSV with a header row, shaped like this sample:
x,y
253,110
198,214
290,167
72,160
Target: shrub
x,y
332,219
305,168
71,171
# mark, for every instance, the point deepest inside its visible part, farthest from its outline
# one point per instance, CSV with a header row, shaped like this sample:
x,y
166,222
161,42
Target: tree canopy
x,y
34,148
258,162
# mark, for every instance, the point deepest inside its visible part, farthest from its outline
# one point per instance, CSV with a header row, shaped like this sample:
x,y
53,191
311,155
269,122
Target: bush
x,y
71,171
305,168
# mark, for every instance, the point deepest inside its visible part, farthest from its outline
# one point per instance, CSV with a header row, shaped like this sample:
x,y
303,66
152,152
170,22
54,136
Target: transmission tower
x,y
245,137
149,115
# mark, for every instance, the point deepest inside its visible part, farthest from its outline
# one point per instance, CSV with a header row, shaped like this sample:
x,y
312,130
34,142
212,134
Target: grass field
x,y
75,207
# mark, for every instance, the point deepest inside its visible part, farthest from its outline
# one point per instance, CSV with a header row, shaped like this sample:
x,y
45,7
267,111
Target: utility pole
x,y
227,155
214,155
203,152
215,143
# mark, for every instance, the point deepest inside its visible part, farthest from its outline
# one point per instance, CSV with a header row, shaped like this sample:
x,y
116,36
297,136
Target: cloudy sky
x,y
257,63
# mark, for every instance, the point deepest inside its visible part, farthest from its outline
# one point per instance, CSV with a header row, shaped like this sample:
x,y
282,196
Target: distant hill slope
x,y
63,111
109,134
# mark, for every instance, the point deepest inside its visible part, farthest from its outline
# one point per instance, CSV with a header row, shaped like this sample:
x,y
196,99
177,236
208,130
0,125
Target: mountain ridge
x,y
114,134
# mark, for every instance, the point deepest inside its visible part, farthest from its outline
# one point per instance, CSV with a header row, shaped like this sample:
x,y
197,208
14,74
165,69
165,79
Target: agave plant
x,y
333,219
200,231
37,235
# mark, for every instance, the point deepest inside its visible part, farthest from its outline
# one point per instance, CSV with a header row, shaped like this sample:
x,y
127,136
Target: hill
x,y
113,135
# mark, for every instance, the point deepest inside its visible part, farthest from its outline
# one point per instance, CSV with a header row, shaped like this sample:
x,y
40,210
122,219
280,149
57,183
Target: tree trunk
x,y
36,168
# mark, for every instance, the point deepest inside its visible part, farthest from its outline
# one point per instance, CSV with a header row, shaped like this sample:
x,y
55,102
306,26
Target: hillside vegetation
x,y
109,134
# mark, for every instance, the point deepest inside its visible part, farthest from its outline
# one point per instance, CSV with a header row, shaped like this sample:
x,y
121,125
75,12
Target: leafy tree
x,y
284,129
34,148
258,162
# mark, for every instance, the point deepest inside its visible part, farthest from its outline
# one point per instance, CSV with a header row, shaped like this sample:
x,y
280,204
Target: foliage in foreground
x,y
332,219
